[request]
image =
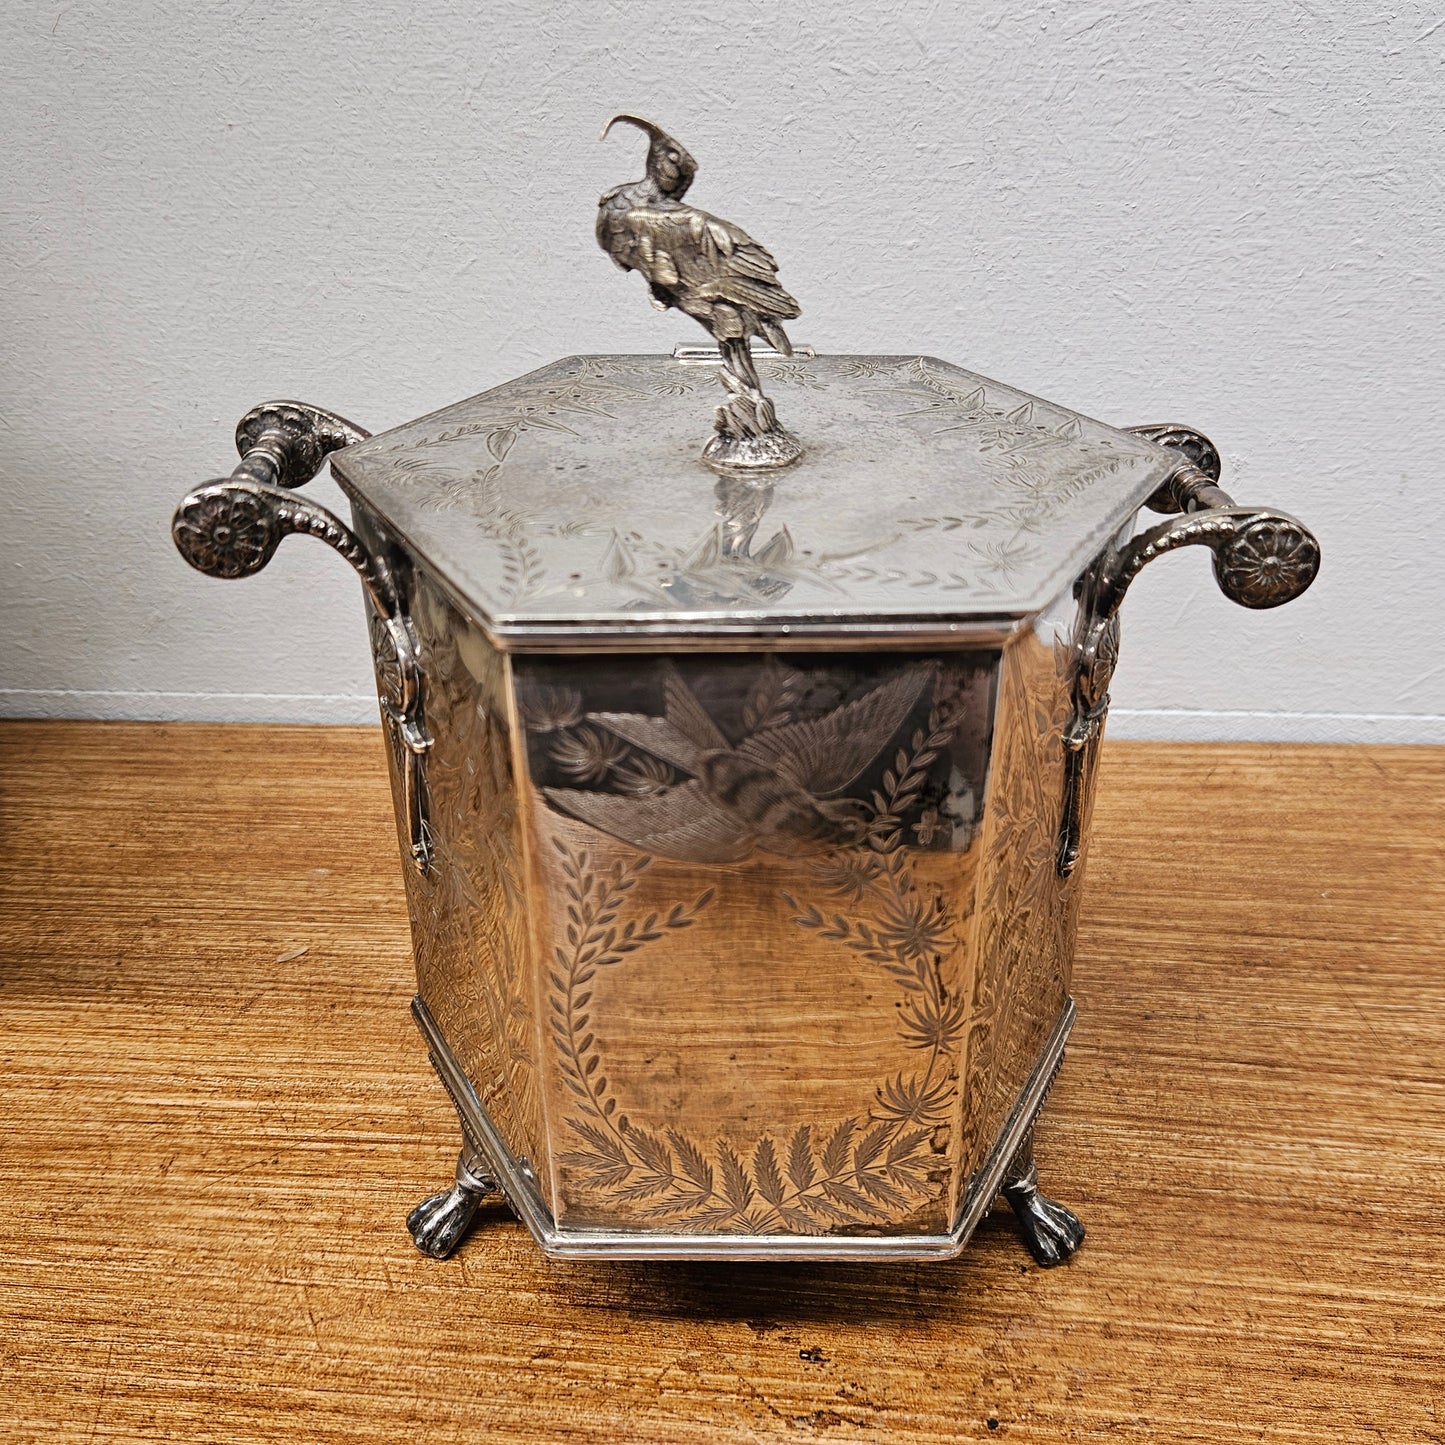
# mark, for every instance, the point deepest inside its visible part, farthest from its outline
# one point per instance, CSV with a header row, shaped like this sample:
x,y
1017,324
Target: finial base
x,y
766,451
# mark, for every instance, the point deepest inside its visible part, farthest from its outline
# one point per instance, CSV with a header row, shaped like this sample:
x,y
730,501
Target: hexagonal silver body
x,y
743,812
686,1009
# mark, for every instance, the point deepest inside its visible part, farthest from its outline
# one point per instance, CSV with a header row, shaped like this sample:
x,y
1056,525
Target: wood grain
x,y
207,1147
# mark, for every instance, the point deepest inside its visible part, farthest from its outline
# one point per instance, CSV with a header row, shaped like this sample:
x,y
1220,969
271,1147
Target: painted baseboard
x,y
1189,725
1167,724
269,707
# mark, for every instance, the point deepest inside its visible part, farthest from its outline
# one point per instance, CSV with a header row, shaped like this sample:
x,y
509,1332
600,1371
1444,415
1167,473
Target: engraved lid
x,y
570,507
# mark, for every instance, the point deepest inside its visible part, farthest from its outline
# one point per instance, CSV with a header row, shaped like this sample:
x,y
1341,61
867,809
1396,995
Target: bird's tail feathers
x,y
682,709
775,336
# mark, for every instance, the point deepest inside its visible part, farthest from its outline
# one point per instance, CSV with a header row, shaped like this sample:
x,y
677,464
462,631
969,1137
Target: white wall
x,y
1228,214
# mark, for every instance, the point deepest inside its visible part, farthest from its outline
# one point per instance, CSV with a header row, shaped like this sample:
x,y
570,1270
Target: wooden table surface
x,y
215,1113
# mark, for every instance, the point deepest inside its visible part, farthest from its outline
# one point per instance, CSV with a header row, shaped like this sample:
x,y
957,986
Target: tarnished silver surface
x,y
439,1223
570,504
1198,450
1052,1233
231,527
714,272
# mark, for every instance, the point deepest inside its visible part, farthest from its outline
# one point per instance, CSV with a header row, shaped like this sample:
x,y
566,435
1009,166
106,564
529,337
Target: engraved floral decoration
x,y
867,367
1270,562
1038,461
391,683
678,786
547,403
227,531
469,914
868,1170
588,753
791,373
553,709
1018,431
644,777
1026,917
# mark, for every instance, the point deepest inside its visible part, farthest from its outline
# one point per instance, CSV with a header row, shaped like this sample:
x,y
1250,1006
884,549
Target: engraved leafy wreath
x,y
1025,437
864,1171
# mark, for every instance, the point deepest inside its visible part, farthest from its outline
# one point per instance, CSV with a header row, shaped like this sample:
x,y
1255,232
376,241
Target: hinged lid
x,y
570,507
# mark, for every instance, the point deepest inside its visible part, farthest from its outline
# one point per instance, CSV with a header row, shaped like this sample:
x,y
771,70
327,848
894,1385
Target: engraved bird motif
x,y
705,266
776,790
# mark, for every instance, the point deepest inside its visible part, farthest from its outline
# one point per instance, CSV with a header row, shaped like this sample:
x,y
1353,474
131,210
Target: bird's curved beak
x,y
625,119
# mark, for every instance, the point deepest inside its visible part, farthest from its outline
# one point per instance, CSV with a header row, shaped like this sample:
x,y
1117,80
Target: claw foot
x,y
439,1223
1051,1232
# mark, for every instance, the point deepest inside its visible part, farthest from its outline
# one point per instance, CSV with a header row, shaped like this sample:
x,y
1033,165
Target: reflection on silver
x,y
878,905
742,832
1027,914
907,1168
469,911
775,790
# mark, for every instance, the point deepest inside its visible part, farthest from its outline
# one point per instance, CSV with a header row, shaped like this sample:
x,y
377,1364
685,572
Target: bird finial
x,y
669,166
714,272
624,118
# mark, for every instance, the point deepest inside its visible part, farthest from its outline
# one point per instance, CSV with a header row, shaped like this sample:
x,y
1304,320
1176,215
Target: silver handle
x,y
1262,558
231,527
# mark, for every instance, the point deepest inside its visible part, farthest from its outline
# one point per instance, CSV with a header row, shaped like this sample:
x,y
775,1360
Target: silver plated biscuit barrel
x,y
743,784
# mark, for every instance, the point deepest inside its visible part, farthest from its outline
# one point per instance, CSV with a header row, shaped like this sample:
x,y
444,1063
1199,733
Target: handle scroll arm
x,y
1262,558
232,527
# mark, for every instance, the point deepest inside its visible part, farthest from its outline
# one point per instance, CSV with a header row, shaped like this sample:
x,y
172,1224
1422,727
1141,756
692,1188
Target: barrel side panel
x,y
468,912
1026,912
753,878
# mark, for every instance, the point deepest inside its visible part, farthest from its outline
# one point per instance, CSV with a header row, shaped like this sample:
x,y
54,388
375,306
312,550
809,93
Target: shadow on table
x,y
778,1293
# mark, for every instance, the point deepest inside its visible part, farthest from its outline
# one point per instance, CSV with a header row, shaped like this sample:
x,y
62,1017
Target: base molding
x,y
517,1181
